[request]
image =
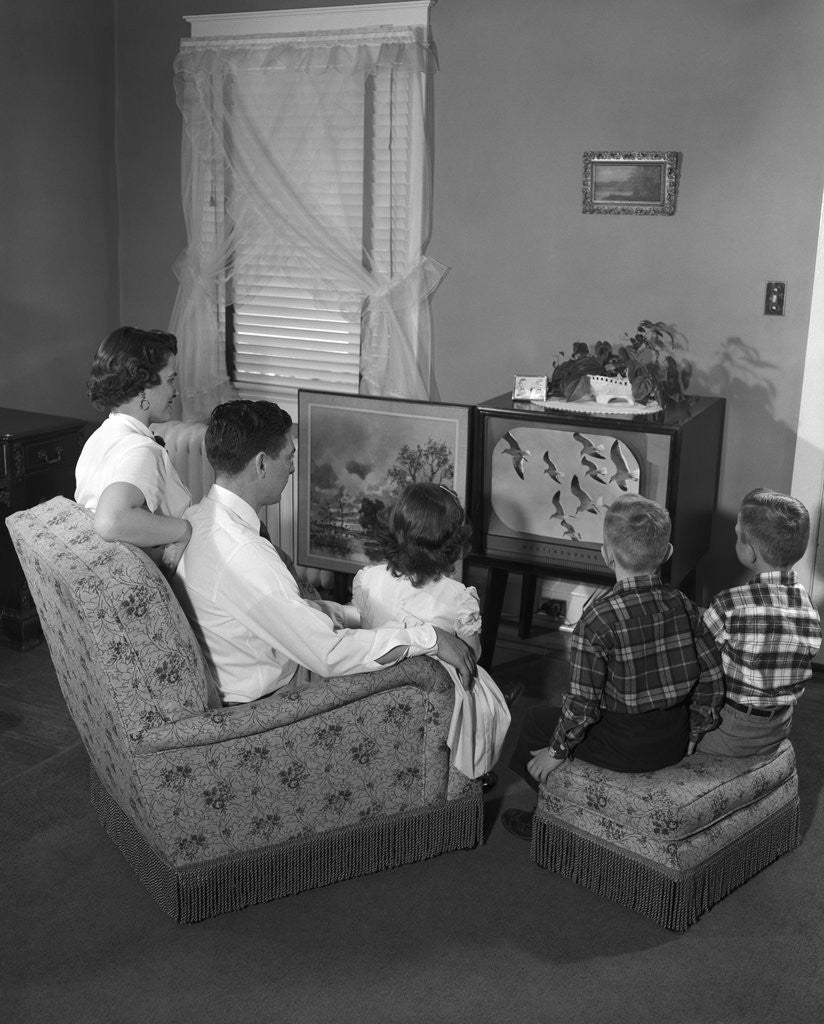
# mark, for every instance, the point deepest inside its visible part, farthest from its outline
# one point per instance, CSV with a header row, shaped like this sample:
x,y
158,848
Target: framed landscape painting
x,y
355,454
634,183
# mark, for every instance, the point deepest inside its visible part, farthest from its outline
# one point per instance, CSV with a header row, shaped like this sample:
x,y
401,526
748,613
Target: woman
x,y
124,474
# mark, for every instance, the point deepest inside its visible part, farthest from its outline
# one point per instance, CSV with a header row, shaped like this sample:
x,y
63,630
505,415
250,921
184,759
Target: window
x,y
310,177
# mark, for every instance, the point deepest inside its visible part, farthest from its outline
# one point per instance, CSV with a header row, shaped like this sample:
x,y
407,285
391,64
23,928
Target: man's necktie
x,y
287,561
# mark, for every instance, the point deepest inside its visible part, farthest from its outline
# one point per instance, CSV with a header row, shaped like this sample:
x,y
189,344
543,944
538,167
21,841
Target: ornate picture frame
x,y
643,183
355,453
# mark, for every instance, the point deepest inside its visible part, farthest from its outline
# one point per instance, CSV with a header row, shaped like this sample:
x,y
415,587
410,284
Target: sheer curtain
x,y
273,129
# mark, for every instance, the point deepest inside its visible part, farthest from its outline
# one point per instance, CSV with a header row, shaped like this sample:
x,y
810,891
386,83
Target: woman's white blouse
x,y
123,450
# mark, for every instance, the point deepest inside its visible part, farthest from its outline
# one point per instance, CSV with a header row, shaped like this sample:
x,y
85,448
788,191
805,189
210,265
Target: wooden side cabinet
x,y
39,453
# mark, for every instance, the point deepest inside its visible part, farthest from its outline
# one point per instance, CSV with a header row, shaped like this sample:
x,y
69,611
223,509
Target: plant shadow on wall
x,y
747,381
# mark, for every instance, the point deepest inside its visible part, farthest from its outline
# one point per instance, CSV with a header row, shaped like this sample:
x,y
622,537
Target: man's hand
x,y
342,616
458,654
542,764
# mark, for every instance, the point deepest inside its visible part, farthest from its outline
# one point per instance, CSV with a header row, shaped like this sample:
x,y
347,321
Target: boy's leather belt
x,y
750,709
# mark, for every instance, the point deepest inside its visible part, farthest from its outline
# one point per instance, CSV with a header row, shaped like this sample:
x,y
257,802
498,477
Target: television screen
x,y
547,486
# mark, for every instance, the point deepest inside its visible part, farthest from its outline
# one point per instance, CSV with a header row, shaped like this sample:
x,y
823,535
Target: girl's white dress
x,y
481,718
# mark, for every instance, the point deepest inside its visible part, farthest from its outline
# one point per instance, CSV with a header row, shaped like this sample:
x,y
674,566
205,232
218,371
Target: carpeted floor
x,y
478,936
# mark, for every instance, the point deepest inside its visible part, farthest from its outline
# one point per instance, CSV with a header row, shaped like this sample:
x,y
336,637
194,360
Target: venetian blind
x,y
287,325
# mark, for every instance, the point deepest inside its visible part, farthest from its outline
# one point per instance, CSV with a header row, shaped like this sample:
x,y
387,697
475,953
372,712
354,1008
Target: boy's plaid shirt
x,y
768,631
641,647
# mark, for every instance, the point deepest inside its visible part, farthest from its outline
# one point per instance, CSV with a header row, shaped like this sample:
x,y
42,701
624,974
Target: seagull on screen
x,y
560,511
552,469
588,447
585,502
518,454
596,472
622,471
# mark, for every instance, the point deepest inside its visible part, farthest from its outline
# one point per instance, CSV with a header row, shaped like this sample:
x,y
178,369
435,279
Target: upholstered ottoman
x,y
668,844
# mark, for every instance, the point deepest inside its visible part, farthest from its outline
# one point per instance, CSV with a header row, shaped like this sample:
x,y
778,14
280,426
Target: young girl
x,y
421,536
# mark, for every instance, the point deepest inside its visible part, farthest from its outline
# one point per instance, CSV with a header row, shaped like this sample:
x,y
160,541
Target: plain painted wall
x,y
58,206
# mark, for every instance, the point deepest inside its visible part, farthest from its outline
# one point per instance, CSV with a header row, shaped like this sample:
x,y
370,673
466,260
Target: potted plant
x,y
646,360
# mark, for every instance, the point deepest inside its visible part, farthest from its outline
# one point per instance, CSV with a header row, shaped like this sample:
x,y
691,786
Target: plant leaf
x,y
579,390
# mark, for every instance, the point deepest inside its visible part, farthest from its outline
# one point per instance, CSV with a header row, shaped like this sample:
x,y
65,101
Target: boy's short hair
x,y
238,430
638,532
777,526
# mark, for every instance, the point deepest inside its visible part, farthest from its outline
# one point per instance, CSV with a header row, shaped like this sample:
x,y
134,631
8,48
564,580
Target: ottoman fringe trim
x,y
674,900
194,892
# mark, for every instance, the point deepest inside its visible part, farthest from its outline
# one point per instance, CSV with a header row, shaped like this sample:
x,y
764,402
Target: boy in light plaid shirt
x,y
767,630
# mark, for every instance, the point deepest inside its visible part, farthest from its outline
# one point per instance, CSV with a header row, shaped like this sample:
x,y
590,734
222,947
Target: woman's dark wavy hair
x,y
128,362
423,533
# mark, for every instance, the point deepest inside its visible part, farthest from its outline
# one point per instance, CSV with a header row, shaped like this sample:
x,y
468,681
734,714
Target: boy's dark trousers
x,y
620,742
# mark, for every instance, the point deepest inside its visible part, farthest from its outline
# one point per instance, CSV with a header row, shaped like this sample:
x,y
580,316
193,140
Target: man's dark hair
x,y
128,362
238,430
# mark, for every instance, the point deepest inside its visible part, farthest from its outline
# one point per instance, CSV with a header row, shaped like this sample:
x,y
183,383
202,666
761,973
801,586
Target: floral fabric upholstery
x,y
672,843
675,817
200,782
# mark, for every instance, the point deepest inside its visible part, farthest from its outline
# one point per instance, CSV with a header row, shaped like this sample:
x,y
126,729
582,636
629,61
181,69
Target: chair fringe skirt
x,y
674,899
198,891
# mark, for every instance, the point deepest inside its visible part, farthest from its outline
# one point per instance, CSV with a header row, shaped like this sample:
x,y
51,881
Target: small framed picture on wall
x,y
631,183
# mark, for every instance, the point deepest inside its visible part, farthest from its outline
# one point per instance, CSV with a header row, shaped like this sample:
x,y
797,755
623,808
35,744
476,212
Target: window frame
x,y
405,13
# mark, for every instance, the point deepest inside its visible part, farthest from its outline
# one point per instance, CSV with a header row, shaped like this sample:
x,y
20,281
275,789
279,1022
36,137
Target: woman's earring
x,y
144,404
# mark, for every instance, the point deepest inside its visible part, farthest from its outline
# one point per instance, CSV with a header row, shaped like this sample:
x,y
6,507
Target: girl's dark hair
x,y
128,362
423,533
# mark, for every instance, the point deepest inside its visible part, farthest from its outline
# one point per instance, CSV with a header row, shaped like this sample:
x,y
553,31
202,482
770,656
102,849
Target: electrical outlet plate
x,y
774,298
554,608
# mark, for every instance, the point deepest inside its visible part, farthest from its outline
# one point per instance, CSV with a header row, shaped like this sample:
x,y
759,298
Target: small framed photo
x,y
634,183
528,389
355,454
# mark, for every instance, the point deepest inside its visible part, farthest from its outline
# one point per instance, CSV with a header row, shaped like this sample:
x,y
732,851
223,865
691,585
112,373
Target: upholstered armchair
x,y
218,808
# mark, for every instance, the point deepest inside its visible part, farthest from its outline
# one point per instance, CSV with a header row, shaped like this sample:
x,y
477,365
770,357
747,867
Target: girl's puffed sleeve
x,y
358,593
468,614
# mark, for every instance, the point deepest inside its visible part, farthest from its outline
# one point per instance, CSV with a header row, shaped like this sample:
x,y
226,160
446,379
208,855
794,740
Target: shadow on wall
x,y
758,450
739,373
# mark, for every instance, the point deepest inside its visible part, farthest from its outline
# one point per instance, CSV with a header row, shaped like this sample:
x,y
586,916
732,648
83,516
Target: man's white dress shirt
x,y
123,450
254,627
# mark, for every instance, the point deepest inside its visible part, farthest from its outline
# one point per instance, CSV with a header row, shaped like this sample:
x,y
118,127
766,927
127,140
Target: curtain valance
x,y
351,51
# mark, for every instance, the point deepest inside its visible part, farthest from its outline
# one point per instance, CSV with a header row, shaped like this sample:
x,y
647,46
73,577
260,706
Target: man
x,y
241,597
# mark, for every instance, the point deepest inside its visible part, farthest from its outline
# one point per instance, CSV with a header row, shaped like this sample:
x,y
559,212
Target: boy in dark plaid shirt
x,y
645,676
767,630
